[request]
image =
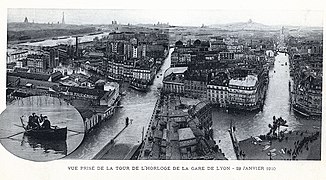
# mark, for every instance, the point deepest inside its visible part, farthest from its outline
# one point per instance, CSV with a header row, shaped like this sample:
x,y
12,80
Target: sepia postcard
x,y
105,89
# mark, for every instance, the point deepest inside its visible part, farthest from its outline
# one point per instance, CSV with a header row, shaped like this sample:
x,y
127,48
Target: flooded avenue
x,y
253,124
139,106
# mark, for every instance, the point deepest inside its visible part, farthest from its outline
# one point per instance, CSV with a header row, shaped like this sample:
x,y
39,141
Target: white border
x,y
12,167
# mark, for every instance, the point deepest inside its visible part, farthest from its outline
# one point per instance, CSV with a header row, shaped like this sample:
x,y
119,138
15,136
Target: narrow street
x,y
253,124
138,107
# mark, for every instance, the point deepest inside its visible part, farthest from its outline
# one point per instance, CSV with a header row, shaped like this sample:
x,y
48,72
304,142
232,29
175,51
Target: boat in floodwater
x,y
50,133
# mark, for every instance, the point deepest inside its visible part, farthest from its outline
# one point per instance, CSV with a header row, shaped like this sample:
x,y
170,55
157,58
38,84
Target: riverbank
x,y
174,134
24,32
104,151
296,145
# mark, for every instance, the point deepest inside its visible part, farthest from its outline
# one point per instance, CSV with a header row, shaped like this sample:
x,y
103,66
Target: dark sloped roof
x,y
100,109
35,76
17,69
93,79
57,75
86,113
94,92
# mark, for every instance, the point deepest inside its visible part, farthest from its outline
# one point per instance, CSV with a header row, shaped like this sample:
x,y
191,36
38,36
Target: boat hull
x,y
139,88
300,111
51,134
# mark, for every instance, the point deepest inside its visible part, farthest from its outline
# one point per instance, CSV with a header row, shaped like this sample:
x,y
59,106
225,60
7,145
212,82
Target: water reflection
x,y
59,147
59,112
253,124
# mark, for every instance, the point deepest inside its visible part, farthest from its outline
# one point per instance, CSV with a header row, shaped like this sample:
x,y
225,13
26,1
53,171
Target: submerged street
x,y
138,107
277,104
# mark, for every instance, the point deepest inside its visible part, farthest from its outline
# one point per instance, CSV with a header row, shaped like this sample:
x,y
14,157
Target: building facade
x,y
243,93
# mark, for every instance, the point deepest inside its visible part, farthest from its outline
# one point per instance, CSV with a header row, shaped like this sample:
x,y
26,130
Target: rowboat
x,y
300,110
139,85
52,133
48,134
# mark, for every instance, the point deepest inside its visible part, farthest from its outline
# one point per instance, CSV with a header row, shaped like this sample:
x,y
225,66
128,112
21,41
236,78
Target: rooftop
x,y
185,134
248,81
178,78
175,70
15,51
95,92
18,69
201,105
35,76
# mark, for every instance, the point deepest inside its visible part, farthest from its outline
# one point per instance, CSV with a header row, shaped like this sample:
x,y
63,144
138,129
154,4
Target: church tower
x,y
25,20
63,18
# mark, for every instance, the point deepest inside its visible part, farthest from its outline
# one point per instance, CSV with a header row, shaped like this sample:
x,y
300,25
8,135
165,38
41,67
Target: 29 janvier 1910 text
x,y
171,168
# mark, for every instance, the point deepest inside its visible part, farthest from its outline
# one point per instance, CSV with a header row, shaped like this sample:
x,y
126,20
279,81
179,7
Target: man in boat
x,y
33,121
30,123
46,123
41,120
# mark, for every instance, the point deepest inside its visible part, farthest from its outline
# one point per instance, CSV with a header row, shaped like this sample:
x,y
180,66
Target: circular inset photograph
x,y
41,128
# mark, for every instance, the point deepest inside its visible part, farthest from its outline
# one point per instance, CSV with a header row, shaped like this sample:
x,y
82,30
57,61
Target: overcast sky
x,y
173,16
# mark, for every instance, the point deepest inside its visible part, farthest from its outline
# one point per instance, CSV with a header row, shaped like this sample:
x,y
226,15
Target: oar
x,y
74,135
12,135
19,125
14,139
75,131
70,130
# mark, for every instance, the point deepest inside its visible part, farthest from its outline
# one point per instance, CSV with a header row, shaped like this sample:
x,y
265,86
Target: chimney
x,y
76,46
63,18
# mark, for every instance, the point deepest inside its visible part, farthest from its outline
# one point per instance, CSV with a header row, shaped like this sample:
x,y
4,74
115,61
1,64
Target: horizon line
x,y
165,23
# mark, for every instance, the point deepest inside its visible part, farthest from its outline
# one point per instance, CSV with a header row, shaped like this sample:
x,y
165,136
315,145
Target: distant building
x,y
218,45
308,95
243,93
173,81
38,63
115,68
203,112
144,70
180,131
226,56
195,85
306,68
40,81
25,20
63,18
217,90
16,55
187,141
93,116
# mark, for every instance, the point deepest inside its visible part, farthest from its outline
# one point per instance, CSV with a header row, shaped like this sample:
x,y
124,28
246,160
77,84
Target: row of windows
x,y
243,88
217,87
219,100
242,96
221,96
196,88
244,104
217,92
237,100
196,82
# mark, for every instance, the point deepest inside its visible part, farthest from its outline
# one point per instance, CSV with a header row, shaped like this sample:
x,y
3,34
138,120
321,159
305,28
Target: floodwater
x,y
68,40
254,124
58,112
138,107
